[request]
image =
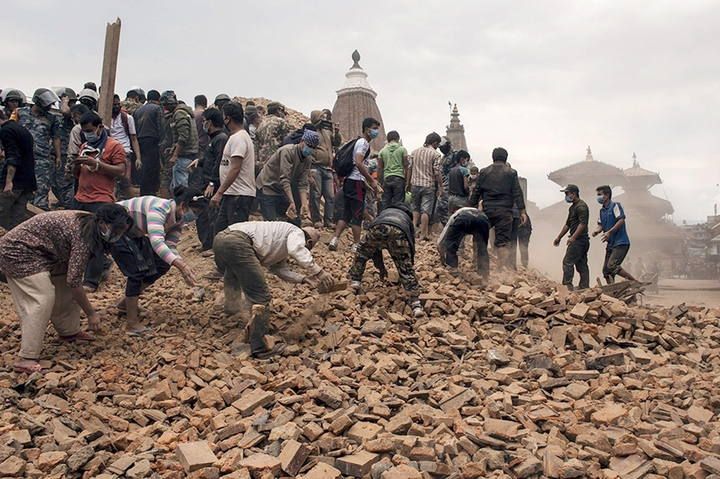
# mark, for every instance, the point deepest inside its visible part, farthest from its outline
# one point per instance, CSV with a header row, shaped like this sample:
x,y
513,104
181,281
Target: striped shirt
x,y
155,217
425,165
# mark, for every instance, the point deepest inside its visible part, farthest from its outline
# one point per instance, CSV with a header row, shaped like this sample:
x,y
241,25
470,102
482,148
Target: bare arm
x,y
381,170
9,176
235,167
562,233
57,147
136,149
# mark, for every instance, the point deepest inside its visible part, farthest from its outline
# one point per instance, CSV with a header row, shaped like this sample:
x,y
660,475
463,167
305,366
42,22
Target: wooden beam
x,y
109,69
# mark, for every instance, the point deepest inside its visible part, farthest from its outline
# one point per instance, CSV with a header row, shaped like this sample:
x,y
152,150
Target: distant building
x,y
455,131
355,102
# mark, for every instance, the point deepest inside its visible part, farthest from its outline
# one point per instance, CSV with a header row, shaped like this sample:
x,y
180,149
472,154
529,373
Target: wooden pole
x,y
109,69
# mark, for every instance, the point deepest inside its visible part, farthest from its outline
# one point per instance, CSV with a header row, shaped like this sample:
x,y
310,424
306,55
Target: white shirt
x,y
361,147
452,219
117,131
239,145
276,241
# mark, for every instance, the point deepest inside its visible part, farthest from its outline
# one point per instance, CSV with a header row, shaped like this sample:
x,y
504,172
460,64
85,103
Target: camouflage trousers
x,y
52,178
375,240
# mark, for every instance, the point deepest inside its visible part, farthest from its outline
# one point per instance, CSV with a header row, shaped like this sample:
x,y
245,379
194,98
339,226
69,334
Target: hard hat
x,y
168,98
61,91
88,93
13,94
222,97
44,98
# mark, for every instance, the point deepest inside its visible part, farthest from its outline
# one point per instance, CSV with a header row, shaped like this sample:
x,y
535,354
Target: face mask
x,y
91,136
108,237
374,133
568,199
188,216
601,199
307,151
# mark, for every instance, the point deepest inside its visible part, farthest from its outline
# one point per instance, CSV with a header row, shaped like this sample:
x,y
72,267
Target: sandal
x,y
81,336
269,352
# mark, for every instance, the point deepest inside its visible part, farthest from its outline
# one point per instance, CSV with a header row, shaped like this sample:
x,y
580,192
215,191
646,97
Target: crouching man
x,y
392,230
465,221
243,248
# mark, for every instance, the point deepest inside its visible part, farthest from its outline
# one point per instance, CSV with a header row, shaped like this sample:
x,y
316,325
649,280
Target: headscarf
x,y
311,138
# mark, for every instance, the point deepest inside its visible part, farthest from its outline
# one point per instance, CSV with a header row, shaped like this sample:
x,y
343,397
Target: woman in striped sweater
x,y
149,249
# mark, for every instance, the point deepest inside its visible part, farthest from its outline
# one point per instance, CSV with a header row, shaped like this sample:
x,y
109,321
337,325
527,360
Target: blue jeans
x,y
180,173
323,188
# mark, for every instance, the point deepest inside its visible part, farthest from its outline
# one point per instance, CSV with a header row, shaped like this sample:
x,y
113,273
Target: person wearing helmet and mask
x,y
240,252
45,129
62,183
17,172
89,98
392,230
43,260
12,99
149,249
286,170
184,137
221,100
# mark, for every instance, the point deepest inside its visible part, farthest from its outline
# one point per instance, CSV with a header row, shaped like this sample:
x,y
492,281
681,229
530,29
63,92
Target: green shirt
x,y
392,156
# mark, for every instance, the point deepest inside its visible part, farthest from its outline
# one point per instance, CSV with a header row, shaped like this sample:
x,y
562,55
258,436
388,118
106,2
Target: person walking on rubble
x,y
43,261
499,189
425,174
391,230
243,248
578,244
614,232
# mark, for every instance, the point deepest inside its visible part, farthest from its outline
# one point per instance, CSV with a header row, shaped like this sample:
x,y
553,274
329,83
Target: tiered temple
x,y
455,131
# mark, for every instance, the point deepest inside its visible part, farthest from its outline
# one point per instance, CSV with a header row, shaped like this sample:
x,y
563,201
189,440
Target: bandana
x,y
311,138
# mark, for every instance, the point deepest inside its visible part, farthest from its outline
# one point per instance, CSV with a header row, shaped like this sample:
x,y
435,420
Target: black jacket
x,y
499,188
210,162
17,143
400,217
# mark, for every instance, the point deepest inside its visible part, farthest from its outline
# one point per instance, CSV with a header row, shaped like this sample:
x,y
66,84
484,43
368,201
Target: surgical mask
x,y
91,136
188,216
601,199
307,151
568,199
374,133
108,237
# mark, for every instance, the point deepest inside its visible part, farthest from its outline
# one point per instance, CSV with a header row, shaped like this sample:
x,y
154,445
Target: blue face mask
x,y
601,200
188,216
568,199
374,133
91,136
307,151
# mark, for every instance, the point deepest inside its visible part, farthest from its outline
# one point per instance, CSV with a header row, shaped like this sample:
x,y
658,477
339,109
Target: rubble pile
x,y
519,380
293,117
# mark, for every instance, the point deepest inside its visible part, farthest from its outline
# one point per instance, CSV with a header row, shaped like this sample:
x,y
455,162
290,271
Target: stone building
x,y
455,131
355,102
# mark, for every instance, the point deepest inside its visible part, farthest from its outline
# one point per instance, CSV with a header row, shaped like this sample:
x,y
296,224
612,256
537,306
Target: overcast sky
x,y
543,79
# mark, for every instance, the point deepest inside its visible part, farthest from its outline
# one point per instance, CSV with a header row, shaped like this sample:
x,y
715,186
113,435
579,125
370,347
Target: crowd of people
x,y
125,191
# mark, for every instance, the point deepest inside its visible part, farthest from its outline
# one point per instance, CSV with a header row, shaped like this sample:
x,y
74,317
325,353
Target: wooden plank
x,y
109,70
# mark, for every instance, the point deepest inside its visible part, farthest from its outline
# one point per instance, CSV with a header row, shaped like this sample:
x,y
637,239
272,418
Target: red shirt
x,y
96,186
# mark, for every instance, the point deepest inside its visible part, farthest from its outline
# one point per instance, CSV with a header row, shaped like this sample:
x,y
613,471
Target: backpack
x,y
344,161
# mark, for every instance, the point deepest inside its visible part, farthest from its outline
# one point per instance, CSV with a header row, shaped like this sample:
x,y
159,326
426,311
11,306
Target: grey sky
x,y
544,79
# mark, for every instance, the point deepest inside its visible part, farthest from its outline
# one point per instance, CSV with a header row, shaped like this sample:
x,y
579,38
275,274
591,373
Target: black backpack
x,y
344,161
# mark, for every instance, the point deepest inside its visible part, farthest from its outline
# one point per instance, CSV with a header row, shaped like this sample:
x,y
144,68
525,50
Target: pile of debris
x,y
521,380
293,117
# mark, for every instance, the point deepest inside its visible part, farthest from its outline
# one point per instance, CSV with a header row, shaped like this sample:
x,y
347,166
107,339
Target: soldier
x,y
45,129
12,100
61,184
392,230
270,134
221,100
89,98
184,147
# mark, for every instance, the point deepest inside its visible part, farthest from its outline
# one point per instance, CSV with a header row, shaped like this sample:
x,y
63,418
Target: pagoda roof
x,y
639,172
586,169
647,201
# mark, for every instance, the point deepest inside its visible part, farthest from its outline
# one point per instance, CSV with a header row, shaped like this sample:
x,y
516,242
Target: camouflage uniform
x,y
129,106
442,203
394,240
61,183
270,136
43,129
